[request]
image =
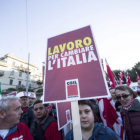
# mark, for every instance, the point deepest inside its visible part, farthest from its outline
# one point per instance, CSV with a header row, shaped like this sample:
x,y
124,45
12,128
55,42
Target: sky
x,y
25,26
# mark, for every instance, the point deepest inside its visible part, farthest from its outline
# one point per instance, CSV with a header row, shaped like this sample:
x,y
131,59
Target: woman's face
x,y
86,117
124,97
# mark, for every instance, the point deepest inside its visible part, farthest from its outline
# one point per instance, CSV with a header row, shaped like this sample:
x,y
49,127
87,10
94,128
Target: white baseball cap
x,y
22,94
31,95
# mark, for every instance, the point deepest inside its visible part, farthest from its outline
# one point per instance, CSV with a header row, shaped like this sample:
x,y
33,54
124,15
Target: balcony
x,y
23,69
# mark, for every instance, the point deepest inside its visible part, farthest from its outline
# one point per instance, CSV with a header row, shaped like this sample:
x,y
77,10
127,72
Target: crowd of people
x,y
24,117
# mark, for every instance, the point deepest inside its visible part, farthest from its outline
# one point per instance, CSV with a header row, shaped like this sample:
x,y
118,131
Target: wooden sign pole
x,y
76,121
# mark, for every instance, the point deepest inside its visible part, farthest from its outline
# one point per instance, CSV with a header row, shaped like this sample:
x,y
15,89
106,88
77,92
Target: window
x,y
11,82
19,83
1,73
12,73
20,74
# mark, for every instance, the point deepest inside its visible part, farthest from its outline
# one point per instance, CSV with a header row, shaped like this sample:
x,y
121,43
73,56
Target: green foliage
x,y
24,89
39,82
31,90
40,90
135,69
11,89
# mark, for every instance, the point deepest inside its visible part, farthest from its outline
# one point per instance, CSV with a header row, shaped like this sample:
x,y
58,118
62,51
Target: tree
x,y
39,82
133,71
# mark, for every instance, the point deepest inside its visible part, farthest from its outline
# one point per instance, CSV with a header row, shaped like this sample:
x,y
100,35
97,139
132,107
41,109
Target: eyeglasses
x,y
123,96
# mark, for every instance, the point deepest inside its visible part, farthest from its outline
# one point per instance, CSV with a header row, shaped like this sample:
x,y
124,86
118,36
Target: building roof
x,y
15,58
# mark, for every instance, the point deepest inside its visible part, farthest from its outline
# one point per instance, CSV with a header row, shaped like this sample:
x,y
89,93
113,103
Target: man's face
x,y
14,112
39,111
31,100
86,117
24,101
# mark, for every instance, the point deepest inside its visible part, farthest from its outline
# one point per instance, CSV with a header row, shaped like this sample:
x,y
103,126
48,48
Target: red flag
x,y
120,79
121,75
14,93
110,76
128,80
138,77
110,117
108,112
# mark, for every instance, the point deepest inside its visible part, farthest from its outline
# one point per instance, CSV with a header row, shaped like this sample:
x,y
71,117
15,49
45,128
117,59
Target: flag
x,y
108,113
138,77
120,79
14,93
121,75
128,80
110,76
110,117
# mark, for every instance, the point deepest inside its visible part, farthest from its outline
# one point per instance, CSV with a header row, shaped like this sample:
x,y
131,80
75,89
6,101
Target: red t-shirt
x,y
21,132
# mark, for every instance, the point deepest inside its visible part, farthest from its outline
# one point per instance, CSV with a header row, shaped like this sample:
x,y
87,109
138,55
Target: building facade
x,y
13,73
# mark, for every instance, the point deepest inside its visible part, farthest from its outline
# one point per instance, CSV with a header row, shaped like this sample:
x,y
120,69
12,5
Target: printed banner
x,y
73,69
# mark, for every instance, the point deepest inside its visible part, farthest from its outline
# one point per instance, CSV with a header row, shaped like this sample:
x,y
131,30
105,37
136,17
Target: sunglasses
x,y
123,96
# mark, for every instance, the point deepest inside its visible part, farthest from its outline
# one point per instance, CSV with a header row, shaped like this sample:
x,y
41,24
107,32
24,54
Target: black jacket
x,y
38,130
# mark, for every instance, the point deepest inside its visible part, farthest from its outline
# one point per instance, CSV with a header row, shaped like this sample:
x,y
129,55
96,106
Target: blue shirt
x,y
100,132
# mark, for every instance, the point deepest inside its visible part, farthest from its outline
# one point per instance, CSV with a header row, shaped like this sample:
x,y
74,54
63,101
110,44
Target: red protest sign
x,y
73,69
63,114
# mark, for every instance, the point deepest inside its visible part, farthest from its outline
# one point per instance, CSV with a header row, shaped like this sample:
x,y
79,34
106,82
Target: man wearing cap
x,y
27,116
32,98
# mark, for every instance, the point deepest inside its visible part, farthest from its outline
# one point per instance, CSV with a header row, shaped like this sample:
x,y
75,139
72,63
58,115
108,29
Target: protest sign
x,y
67,114
64,114
73,72
73,69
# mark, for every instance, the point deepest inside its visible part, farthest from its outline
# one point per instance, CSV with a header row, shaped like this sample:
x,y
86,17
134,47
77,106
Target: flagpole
x,y
27,82
115,78
27,43
0,88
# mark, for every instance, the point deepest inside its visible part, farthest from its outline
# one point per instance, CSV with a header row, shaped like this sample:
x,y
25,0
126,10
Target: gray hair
x,y
4,102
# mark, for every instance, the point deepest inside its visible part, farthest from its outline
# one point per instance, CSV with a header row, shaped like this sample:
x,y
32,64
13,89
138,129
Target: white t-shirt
x,y
3,133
